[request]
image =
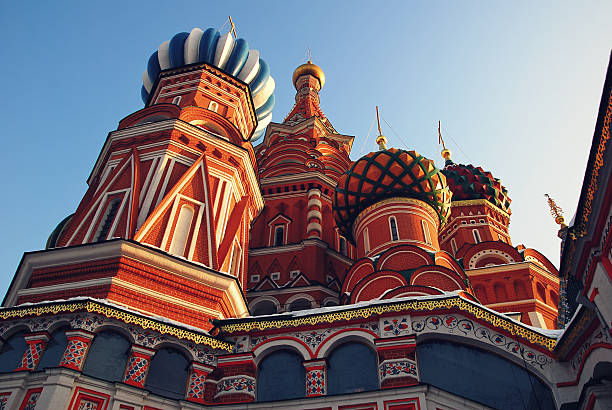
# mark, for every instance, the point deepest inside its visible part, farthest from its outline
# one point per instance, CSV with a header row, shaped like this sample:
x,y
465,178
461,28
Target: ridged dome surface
x,y
385,174
469,182
222,51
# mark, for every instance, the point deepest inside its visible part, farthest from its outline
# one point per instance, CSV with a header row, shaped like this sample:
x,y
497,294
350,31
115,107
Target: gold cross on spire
x,y
446,154
381,140
232,27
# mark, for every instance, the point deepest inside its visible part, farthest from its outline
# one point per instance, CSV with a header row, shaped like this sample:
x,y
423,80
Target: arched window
x,y
343,247
168,373
519,290
176,100
107,356
481,293
264,307
393,226
366,240
554,299
279,235
280,376
481,376
500,292
107,220
426,233
213,106
454,246
541,292
181,231
12,352
476,235
352,367
55,349
300,304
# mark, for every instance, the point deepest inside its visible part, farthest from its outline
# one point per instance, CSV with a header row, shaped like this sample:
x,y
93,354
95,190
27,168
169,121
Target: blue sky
x,y
516,84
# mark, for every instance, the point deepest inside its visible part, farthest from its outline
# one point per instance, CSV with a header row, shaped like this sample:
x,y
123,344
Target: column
x,y
396,348
314,216
76,350
316,377
36,343
138,366
196,386
236,378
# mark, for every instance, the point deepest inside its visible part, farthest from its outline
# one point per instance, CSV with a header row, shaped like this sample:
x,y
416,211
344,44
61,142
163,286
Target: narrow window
x,y
181,231
343,247
454,246
107,221
366,240
426,233
393,225
476,235
236,259
213,106
254,278
279,235
176,100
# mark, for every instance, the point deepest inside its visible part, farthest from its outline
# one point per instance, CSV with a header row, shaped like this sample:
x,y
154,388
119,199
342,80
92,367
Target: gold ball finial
x,y
309,69
446,154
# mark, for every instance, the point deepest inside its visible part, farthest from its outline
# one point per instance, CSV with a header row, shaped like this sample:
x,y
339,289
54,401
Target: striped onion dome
x,y
222,51
385,174
469,182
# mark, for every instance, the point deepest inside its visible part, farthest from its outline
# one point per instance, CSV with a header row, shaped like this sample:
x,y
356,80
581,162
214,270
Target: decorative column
x,y
396,350
36,343
138,366
236,378
316,377
314,216
76,350
196,387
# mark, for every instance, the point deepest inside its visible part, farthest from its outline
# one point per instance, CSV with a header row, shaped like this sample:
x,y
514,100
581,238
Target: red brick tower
x,y
164,225
297,256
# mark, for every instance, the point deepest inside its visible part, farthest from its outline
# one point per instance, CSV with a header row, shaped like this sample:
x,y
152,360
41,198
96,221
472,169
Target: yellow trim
x,y
413,305
110,312
471,202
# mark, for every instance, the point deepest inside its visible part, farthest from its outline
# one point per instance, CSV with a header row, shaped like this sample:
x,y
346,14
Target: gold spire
x,y
232,27
309,69
556,212
381,140
446,153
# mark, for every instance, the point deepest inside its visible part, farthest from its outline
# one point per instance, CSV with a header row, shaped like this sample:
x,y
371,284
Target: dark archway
x,y
281,376
168,373
352,367
12,352
55,349
107,356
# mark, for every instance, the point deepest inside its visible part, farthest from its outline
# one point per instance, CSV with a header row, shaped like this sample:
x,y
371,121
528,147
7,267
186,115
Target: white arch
x,y
271,345
254,302
300,296
343,336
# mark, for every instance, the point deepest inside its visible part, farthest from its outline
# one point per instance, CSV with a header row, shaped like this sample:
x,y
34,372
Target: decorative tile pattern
x,y
315,382
88,405
397,368
451,324
29,402
32,355
239,384
195,389
86,322
74,355
86,399
4,400
398,326
137,370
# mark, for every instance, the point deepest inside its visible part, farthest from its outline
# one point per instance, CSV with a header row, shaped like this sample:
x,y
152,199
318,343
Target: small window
x,y
343,247
275,275
181,231
472,221
481,221
107,221
366,240
454,246
293,274
300,304
426,233
254,278
393,225
476,235
236,259
176,100
213,106
279,235
463,222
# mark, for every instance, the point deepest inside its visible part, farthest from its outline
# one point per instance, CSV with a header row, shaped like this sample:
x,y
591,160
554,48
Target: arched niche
x,y
168,373
281,376
481,376
12,351
264,307
352,367
55,348
107,356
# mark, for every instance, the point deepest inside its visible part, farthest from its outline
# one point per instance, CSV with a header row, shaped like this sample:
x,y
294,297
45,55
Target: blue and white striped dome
x,y
221,51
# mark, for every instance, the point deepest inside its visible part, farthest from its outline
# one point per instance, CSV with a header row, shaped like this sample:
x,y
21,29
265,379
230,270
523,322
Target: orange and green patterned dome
x,y
469,182
389,173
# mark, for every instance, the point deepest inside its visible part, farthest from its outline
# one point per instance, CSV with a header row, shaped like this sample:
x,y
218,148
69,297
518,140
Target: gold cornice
x,y
472,202
112,313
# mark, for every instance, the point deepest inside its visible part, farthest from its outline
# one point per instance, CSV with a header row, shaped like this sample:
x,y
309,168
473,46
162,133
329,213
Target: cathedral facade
x,y
222,260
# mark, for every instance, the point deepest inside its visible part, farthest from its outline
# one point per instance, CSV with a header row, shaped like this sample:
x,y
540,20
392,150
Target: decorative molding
x,y
236,384
389,369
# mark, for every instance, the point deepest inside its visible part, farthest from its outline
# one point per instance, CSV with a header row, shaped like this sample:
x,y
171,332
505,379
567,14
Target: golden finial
x,y
556,212
446,153
309,56
232,28
381,140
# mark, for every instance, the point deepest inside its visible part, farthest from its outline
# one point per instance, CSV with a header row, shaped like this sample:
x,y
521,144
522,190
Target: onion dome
x,y
222,51
469,182
385,174
309,69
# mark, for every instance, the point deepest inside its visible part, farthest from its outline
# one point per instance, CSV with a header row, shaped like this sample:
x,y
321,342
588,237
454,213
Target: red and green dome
x,y
469,182
385,174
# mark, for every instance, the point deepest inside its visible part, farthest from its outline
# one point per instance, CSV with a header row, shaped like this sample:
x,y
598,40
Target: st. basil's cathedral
x,y
222,260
